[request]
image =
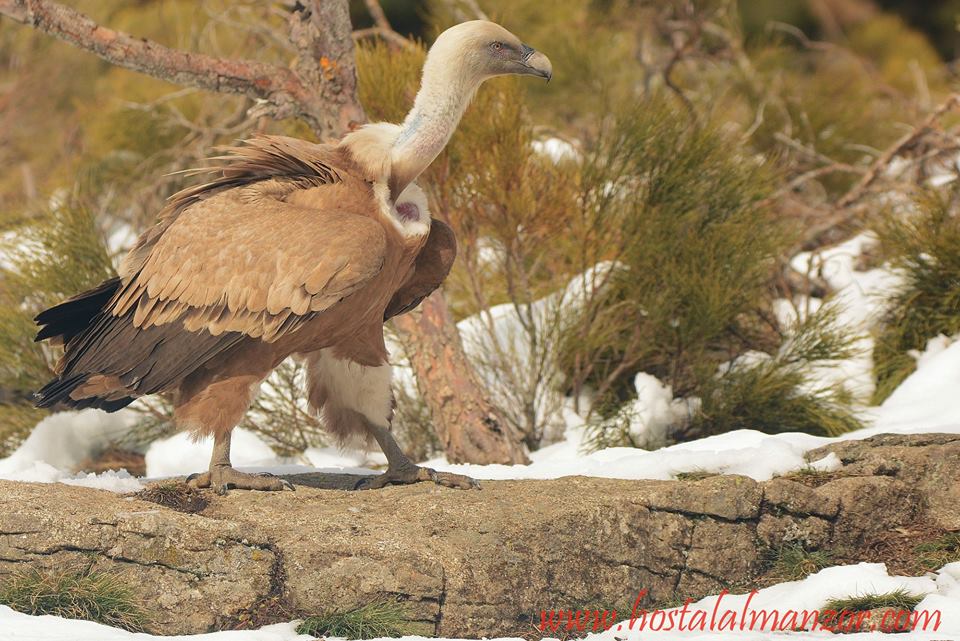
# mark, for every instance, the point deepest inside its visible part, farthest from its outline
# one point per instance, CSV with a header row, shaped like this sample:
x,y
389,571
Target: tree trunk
x,y
321,88
469,427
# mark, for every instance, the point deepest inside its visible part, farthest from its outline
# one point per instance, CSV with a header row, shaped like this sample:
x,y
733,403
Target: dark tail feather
x,y
66,321
58,391
98,344
74,315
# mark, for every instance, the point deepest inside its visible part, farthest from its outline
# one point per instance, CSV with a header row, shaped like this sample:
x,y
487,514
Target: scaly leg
x,y
223,477
401,470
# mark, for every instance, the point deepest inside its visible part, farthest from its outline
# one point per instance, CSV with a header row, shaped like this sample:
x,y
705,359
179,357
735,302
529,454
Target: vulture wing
x,y
430,269
261,267
230,260
221,273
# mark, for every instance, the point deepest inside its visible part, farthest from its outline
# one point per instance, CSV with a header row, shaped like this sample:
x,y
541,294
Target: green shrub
x,y
49,258
84,594
781,393
696,247
898,599
862,613
925,248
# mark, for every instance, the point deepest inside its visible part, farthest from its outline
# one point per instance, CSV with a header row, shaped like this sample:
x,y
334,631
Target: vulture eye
x,y
496,46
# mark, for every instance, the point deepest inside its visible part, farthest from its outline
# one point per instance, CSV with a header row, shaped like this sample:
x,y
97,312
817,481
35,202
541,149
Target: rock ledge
x,y
478,563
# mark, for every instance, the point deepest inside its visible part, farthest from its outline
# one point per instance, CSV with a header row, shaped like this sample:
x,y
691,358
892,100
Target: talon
x,y
223,478
198,480
415,474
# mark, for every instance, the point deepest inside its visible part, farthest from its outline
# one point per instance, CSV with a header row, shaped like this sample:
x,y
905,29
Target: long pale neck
x,y
436,112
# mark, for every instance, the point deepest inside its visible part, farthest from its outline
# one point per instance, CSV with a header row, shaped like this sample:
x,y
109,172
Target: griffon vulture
x,y
292,249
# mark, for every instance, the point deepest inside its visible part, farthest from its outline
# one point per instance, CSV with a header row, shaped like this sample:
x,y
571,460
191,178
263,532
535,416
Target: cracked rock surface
x,y
473,563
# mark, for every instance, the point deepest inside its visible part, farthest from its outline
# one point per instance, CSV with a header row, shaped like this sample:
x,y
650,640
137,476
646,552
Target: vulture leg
x,y
401,470
212,400
223,477
356,400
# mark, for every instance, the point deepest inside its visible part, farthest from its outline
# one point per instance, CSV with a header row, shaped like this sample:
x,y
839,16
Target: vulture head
x,y
462,58
479,49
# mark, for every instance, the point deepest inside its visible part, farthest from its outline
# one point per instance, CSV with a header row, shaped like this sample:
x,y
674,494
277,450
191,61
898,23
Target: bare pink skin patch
x,y
408,212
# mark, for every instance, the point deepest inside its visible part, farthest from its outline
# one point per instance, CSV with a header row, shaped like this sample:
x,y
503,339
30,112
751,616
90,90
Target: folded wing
x,y
432,266
259,268
225,270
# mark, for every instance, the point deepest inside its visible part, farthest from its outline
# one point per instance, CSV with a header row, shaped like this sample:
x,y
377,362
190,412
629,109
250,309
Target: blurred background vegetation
x,y
683,153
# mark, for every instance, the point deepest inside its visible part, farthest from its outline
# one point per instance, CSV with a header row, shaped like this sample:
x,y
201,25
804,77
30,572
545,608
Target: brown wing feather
x,y
285,163
430,269
226,265
229,261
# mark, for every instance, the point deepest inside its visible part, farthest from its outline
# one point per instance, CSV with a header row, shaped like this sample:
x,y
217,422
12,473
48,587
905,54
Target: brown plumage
x,y
290,249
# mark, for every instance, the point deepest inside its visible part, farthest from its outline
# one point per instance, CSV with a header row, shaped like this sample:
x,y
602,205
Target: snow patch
x,y
556,149
62,442
811,594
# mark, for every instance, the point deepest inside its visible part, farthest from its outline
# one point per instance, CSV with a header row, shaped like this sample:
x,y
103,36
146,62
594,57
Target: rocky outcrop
x,y
472,563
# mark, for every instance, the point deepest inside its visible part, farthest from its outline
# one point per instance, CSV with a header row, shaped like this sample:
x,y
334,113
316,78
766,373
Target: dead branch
x,y
382,28
392,37
322,35
849,207
884,159
283,89
379,17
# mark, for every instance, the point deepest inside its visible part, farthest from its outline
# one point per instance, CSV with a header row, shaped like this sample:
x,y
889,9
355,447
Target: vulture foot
x,y
417,474
223,478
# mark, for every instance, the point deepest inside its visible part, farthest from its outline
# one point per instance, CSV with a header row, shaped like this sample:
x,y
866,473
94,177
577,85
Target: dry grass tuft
x,y
175,495
379,619
75,594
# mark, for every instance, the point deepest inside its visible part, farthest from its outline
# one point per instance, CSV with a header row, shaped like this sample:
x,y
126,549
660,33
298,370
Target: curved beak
x,y
536,64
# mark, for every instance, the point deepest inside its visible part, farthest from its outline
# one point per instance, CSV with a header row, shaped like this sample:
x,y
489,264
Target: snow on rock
x,y
653,411
22,627
808,595
61,442
40,472
180,454
748,452
555,149
829,463
928,397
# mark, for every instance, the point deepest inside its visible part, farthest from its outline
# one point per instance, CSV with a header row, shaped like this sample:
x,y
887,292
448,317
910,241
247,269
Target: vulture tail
x,y
108,361
58,391
74,315
63,323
